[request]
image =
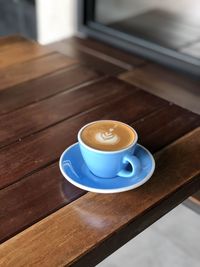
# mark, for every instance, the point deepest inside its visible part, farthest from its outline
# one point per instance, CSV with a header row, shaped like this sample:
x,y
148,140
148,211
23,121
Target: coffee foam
x,y
108,135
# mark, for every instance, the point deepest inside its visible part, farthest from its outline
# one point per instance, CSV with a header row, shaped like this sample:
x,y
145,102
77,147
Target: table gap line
x,y
57,159
41,218
91,65
31,173
28,60
149,114
66,90
76,115
110,59
70,67
43,75
35,59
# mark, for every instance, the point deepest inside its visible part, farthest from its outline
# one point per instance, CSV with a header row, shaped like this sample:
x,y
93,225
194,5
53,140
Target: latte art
x,y
108,135
107,138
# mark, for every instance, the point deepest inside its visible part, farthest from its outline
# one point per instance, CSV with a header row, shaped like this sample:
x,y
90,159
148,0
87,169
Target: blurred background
x,y
167,32
45,21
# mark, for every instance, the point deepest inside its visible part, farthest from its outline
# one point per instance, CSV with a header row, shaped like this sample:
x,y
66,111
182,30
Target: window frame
x,y
87,26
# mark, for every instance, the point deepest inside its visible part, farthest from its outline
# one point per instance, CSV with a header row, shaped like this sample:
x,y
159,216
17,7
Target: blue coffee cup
x,y
109,164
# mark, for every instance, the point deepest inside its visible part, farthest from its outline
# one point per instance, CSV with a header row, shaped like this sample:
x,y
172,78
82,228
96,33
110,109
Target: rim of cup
x,y
104,151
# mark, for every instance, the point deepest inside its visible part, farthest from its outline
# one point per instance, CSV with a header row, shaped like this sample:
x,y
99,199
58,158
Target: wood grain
x,y
42,148
29,70
106,52
12,40
96,63
20,52
35,90
86,231
168,84
33,198
163,127
35,117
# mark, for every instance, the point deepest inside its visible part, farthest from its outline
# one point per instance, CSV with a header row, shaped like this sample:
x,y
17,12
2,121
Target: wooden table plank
x,y
21,52
51,84
160,129
168,84
104,51
96,63
43,114
34,198
12,40
29,70
86,231
40,149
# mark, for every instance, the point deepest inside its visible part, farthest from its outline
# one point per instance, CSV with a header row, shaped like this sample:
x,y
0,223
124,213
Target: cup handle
x,y
135,164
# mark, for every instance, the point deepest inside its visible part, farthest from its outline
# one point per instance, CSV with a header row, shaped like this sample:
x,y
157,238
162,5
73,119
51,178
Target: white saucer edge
x,y
107,191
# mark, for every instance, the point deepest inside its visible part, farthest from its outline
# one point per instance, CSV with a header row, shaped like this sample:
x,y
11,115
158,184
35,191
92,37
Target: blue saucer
x,y
76,172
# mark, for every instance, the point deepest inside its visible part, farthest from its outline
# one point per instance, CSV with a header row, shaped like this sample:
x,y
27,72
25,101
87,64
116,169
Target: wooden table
x,y
45,97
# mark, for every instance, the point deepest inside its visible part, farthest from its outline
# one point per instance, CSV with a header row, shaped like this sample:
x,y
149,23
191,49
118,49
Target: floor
x,y
173,241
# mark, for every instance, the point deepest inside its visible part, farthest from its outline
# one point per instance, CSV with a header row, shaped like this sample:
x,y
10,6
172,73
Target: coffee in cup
x,y
107,147
108,135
